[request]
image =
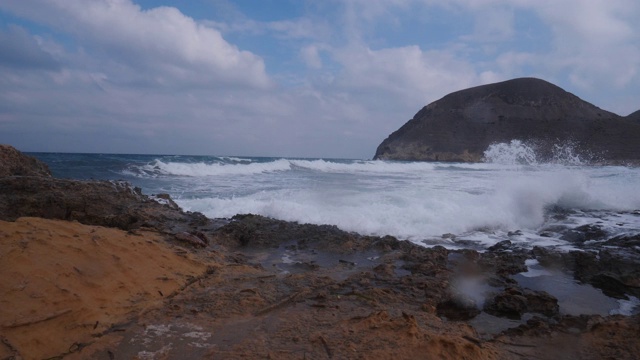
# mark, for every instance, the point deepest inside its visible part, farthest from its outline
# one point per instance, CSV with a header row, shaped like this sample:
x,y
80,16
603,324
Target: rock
x,y
510,303
627,241
15,163
513,303
503,245
584,233
635,117
615,271
104,203
458,309
192,239
541,302
461,126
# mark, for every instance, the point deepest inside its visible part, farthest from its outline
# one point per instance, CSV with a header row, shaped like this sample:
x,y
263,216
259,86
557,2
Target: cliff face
x,y
461,125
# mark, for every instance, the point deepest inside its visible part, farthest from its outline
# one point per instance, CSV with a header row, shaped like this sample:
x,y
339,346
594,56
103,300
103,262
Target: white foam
x,y
627,307
374,166
216,169
534,269
518,152
514,153
481,208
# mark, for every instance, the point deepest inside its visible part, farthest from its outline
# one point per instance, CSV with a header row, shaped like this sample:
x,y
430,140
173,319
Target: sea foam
x,y
480,202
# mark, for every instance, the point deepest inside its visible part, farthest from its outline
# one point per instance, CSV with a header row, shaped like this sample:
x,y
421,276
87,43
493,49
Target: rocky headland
x,y
462,125
96,269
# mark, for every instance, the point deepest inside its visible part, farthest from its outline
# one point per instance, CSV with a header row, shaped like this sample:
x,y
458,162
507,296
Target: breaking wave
x,y
518,152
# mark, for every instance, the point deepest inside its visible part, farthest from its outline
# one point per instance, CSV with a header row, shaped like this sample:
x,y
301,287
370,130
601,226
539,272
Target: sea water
x,y
510,196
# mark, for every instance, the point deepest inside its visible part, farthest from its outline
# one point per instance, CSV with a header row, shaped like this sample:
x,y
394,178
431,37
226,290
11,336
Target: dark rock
x,y
167,200
104,203
627,241
510,303
261,232
503,263
541,302
513,303
501,246
610,285
461,126
15,163
458,309
615,271
584,233
635,117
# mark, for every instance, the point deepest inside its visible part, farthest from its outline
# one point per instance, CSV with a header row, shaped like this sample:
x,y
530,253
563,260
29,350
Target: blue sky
x,y
327,78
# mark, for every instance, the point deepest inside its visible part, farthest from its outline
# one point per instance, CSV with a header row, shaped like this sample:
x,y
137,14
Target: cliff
x,y
461,126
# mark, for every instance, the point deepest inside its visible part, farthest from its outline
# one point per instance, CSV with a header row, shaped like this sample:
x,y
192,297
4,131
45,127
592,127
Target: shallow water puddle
x,y
573,298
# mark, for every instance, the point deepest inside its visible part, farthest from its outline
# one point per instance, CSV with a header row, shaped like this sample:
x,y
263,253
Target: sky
x,y
287,78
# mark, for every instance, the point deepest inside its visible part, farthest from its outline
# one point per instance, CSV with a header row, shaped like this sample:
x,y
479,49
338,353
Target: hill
x,y
461,126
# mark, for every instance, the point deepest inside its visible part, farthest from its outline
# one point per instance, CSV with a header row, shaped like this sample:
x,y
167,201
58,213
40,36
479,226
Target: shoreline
x,y
96,269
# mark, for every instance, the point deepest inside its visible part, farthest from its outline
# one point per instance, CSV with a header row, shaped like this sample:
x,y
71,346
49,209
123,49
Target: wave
x,y
197,169
518,152
241,166
426,210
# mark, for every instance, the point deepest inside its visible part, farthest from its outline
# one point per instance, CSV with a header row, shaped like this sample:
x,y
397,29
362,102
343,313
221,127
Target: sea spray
x,y
517,152
514,153
479,203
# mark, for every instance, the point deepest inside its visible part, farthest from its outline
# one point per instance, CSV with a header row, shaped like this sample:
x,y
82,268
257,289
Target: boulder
x,y
15,163
462,125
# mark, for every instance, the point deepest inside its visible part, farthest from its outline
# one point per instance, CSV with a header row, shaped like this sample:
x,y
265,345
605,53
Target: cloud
x,y
408,72
106,75
161,43
20,50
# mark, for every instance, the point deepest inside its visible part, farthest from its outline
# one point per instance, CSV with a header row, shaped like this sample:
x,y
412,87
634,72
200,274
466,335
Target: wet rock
x,y
255,231
504,264
501,246
541,302
547,257
458,309
585,233
626,241
615,270
15,163
512,303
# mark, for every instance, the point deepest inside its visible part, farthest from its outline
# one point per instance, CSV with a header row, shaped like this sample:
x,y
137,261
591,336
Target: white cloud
x,y
156,80
161,42
410,75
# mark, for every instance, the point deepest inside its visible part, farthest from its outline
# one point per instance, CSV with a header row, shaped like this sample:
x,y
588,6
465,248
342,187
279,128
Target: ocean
x,y
510,196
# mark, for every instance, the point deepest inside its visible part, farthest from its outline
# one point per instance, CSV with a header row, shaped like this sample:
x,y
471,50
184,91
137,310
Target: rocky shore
x,y
96,269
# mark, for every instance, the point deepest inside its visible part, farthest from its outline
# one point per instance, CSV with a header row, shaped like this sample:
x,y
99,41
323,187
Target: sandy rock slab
x,y
64,285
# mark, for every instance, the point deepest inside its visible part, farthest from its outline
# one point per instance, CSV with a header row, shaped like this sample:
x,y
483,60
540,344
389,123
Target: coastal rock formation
x,y
103,203
28,189
112,273
13,162
634,117
461,126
